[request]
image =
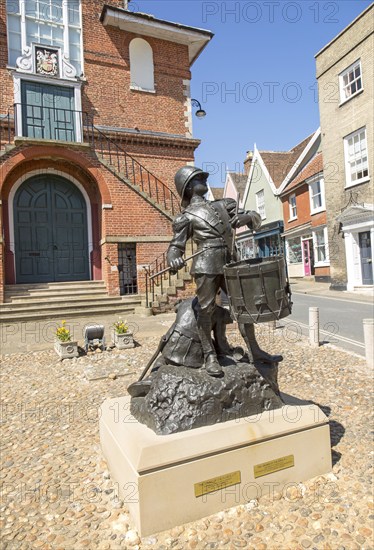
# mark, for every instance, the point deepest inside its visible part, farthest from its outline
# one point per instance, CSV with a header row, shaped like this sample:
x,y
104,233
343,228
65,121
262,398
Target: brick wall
x,y
130,216
107,96
106,93
302,205
303,210
6,81
339,120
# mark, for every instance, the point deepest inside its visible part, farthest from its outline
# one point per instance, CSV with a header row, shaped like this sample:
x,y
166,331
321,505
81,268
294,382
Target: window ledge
x,y
292,219
363,180
20,140
318,211
137,89
321,264
351,97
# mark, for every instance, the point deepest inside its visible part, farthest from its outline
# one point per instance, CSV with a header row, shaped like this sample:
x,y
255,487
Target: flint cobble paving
x,y
57,492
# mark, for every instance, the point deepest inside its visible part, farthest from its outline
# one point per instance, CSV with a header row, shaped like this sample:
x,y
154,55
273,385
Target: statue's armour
x,y
209,225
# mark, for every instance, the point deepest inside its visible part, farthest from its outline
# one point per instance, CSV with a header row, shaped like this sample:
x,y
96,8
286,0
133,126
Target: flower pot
x,y
123,341
66,350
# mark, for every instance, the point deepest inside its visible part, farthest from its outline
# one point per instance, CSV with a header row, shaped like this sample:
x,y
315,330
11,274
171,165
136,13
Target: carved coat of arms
x,y
46,62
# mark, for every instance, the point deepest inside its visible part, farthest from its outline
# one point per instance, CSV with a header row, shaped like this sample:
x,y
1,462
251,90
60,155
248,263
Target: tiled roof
x,y
314,166
217,192
280,163
240,181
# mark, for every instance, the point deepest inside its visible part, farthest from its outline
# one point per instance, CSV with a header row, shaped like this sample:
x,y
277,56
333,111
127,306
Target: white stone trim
x,y
188,107
196,39
68,177
26,62
65,55
352,252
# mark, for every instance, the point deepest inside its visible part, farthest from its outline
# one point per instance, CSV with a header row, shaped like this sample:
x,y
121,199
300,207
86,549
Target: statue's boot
x,y
204,327
256,353
221,343
212,366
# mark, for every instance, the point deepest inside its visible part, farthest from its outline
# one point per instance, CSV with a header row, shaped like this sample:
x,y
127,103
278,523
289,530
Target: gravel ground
x,y
57,492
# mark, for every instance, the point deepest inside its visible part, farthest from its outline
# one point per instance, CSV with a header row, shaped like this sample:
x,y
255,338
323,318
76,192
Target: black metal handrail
x,y
162,281
132,169
55,123
43,122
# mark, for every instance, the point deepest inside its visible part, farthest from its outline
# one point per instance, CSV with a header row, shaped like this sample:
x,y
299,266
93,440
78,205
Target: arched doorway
x,y
50,231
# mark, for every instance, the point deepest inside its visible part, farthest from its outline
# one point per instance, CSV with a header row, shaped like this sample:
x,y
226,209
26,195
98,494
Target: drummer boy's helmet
x,y
183,177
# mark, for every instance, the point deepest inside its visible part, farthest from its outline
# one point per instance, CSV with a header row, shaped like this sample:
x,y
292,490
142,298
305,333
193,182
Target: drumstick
x,y
233,237
185,260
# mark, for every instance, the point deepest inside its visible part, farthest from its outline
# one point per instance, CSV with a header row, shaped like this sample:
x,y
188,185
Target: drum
x,y
258,289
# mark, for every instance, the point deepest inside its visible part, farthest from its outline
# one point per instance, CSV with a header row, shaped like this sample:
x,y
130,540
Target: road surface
x,y
340,320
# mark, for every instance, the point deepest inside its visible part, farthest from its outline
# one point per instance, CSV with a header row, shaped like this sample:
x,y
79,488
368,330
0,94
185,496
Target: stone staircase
x,y
165,295
167,289
132,173
34,302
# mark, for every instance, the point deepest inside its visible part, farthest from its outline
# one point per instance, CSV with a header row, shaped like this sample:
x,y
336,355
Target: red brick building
x,y
305,230
95,121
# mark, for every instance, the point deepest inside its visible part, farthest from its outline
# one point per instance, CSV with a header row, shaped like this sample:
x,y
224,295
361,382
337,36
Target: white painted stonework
x,y
141,65
356,220
26,62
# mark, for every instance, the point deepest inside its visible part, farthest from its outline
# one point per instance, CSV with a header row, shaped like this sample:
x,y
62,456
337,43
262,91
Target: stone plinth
x,y
168,480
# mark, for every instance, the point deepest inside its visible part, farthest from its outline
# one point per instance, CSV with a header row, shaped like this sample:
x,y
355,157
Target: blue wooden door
x,y
50,228
366,259
48,111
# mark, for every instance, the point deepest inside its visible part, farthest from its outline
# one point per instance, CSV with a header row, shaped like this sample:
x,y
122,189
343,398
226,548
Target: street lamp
x,y
200,113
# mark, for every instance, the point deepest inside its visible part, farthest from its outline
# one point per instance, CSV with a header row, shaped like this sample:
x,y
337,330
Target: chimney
x,y
248,162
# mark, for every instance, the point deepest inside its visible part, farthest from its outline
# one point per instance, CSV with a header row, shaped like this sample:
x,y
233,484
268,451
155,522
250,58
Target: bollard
x,y
369,341
314,326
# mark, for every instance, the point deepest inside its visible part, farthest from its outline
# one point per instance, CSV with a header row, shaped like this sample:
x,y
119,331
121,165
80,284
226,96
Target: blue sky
x,y
256,78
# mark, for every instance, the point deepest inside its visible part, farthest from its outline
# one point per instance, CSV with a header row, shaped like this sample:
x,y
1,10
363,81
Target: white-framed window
x,y
260,203
317,195
141,65
320,245
294,252
54,112
350,81
292,206
50,22
356,158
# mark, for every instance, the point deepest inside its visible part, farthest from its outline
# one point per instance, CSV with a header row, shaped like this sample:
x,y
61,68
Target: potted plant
x,y
122,337
64,345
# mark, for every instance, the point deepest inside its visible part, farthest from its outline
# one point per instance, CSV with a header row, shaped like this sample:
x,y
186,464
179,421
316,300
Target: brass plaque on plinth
x,y
216,483
274,465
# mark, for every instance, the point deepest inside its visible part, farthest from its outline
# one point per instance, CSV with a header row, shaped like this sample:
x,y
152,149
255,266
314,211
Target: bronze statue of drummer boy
x,y
211,225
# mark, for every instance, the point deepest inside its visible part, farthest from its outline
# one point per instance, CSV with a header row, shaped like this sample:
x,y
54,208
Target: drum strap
x,y
219,225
